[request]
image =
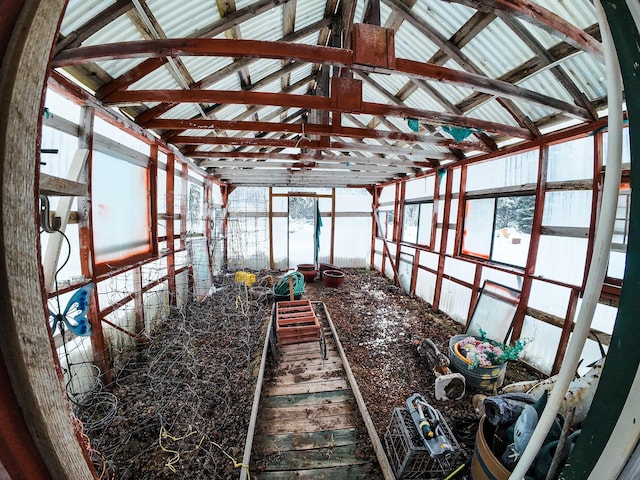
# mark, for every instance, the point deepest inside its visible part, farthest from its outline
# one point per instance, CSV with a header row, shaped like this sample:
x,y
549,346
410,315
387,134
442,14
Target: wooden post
x,y
333,227
272,264
170,216
445,235
184,200
29,27
527,281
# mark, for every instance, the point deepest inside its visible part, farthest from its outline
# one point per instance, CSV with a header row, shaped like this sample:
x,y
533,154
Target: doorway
x,y
302,224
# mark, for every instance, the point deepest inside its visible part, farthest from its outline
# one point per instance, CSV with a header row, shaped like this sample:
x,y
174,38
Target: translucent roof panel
x,y
201,67
160,78
183,110
580,13
79,12
412,44
444,17
492,58
192,16
494,112
309,12
266,26
262,68
122,29
589,74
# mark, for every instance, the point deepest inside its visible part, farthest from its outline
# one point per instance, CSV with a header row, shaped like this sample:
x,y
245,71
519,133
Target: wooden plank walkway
x,y
309,424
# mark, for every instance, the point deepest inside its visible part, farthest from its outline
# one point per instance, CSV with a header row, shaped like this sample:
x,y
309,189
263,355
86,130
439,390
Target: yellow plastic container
x,y
246,278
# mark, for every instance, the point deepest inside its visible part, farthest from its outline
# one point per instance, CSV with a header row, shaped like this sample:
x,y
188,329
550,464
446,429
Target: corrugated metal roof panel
x,y
589,74
412,44
372,94
262,68
309,12
493,58
181,22
230,112
230,82
79,12
115,68
303,71
266,26
121,29
422,100
494,112
183,110
201,67
391,83
546,83
160,78
311,39
580,13
445,17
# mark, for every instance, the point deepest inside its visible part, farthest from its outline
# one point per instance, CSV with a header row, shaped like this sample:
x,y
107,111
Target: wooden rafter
x,y
310,102
541,17
309,128
307,53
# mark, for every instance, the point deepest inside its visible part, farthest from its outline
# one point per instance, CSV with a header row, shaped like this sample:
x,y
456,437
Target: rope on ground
x,y
235,464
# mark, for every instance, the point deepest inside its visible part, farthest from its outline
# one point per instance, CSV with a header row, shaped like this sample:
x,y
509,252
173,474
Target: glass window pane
x,y
120,209
571,160
514,217
410,223
567,209
425,223
503,172
478,227
561,259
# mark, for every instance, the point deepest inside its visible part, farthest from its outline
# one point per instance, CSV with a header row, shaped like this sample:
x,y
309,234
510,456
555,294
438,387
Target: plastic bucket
x,y
484,464
483,378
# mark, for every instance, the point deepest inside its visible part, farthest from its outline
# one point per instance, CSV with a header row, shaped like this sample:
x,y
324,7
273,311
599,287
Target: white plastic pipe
x,y
600,259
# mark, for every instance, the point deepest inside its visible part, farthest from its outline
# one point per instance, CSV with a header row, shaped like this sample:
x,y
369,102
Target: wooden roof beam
x,y
310,102
310,128
539,16
307,53
309,144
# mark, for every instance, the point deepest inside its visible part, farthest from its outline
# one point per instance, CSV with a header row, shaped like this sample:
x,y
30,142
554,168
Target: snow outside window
x,y
499,228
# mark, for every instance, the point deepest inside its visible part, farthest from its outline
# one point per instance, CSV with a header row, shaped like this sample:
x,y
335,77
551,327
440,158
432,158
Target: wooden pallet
x,y
296,322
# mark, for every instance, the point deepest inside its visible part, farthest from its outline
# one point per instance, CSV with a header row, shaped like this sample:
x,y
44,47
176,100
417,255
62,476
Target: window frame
x,y
495,196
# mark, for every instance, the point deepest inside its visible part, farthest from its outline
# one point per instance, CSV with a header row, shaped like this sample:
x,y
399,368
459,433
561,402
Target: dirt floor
x,y
180,406
376,322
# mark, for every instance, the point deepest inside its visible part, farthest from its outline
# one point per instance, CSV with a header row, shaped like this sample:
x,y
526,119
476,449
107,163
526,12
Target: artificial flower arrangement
x,y
482,352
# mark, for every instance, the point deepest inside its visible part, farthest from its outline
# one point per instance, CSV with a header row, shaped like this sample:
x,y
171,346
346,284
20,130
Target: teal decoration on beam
x,y
441,173
459,133
414,124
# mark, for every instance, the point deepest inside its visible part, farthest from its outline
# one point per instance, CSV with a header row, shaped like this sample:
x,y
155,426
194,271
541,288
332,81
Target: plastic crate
x,y
408,456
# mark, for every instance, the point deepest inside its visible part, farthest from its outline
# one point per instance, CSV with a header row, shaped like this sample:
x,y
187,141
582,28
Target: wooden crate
x,y
296,322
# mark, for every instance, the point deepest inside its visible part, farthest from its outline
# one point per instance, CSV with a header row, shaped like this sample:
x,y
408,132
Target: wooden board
x,y
351,472
309,423
308,387
269,444
306,398
305,412
325,457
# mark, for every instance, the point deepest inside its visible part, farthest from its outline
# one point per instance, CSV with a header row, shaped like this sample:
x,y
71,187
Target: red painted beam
x,y
310,129
209,47
305,53
310,102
